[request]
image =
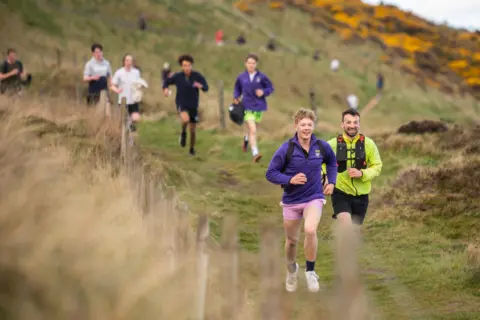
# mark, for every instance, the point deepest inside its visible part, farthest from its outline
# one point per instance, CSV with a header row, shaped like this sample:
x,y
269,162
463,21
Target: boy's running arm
x,y
374,162
267,86
87,73
6,75
169,81
203,82
273,173
332,144
330,164
114,85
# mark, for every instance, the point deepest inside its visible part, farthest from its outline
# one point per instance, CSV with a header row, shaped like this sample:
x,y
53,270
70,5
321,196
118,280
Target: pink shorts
x,y
295,211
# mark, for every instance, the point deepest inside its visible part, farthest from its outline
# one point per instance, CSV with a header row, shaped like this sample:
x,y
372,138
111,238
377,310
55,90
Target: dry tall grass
x,y
74,243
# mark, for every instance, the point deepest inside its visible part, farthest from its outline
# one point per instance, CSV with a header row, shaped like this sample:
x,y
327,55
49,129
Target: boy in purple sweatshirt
x,y
304,193
253,86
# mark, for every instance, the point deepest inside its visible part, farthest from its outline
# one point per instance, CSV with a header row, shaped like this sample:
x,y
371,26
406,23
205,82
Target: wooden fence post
x,y
150,195
123,147
313,104
171,229
221,104
59,57
78,87
230,283
202,267
141,191
270,273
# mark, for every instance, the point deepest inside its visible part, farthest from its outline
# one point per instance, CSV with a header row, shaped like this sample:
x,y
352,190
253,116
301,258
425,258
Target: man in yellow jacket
x,y
358,162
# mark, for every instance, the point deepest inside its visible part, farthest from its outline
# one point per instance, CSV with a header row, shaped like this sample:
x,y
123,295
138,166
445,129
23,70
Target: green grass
x,y
34,16
420,265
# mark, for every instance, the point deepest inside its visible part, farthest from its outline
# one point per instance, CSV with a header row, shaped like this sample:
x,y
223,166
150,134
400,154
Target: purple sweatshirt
x,y
246,88
310,165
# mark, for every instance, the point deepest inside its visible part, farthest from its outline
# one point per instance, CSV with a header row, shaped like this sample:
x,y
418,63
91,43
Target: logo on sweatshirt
x,y
317,153
258,80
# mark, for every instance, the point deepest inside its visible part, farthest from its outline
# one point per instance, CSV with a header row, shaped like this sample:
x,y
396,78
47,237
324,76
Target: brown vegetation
x,y
423,127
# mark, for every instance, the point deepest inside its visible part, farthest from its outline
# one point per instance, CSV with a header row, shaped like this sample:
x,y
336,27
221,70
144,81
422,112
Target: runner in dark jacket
x,y
188,83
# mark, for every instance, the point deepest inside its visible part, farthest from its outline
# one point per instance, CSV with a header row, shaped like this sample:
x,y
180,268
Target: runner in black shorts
x,y
356,206
192,113
122,84
358,163
188,83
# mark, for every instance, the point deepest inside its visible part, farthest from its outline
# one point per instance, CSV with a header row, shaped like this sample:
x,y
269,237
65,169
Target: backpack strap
x,y
324,154
360,155
322,150
288,156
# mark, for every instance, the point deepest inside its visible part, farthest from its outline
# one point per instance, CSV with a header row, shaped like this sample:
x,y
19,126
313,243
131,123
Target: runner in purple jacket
x,y
253,86
304,194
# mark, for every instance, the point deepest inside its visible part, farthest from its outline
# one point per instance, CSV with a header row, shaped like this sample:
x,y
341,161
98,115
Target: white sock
x,y
245,138
254,151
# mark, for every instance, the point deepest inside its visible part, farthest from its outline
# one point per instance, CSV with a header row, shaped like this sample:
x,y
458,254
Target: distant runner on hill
x,y
297,166
188,83
123,84
252,86
380,84
352,101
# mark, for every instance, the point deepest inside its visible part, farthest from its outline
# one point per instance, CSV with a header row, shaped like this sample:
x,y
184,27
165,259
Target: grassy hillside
x,y
437,55
418,248
190,26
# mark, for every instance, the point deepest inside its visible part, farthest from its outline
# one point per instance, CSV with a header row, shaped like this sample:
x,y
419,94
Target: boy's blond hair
x,y
304,113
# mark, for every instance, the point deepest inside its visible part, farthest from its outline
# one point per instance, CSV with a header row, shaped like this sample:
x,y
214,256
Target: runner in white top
x,y
122,84
352,101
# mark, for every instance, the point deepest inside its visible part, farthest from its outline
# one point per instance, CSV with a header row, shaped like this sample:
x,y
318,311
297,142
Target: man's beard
x,y
351,133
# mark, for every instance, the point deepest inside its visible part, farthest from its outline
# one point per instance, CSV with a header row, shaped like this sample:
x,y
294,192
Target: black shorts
x,y
355,205
131,108
192,113
93,98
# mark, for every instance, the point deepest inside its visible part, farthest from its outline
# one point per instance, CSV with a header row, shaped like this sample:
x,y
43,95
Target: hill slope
x,y
415,259
438,56
70,27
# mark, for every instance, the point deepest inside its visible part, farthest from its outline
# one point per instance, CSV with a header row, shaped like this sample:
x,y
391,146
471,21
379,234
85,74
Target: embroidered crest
x,y
317,153
258,80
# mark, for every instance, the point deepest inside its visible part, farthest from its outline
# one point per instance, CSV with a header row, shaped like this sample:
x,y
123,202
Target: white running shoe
x,y
291,282
312,281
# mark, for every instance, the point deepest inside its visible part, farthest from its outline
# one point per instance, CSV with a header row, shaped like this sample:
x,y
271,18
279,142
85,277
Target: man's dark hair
x,y
252,56
96,46
185,57
351,112
10,50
